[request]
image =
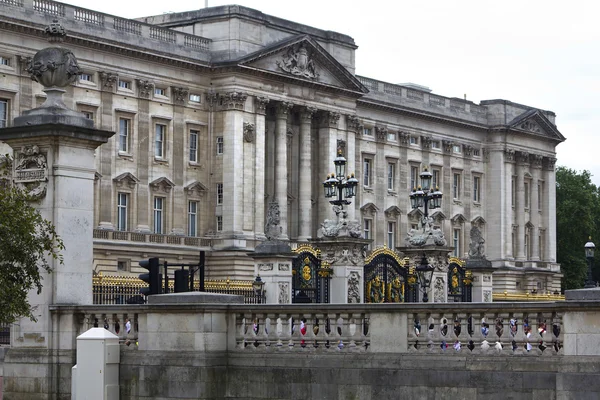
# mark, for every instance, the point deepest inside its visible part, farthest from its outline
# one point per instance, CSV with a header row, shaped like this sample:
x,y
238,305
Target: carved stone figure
x,y
438,290
298,61
430,235
273,228
284,293
353,288
476,247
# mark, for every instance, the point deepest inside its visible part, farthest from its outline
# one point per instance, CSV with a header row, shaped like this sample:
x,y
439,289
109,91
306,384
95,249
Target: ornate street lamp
x,y
258,286
424,272
424,195
337,185
589,254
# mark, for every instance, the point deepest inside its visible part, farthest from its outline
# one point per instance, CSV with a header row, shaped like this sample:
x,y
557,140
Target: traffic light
x,y
153,277
182,280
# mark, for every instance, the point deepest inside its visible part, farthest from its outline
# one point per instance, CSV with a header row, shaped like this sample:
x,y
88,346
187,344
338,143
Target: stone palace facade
x,y
219,111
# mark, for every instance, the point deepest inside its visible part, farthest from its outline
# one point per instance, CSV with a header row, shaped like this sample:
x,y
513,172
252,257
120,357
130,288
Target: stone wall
x,y
311,375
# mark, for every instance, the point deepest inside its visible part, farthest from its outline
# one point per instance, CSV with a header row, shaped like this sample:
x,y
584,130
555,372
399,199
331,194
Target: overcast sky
x,y
544,54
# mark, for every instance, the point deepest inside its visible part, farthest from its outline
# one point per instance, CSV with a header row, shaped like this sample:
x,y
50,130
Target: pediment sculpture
x,y
298,61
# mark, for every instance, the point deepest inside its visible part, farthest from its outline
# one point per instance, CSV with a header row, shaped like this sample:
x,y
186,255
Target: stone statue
x,y
340,228
298,62
476,247
273,228
430,235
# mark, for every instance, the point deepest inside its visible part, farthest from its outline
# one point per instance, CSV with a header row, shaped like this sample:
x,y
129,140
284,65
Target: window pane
x,y
158,214
192,217
193,146
122,211
123,135
367,172
3,113
160,141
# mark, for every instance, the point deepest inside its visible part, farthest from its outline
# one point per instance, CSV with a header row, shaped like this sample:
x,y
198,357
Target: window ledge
x,y
194,164
392,193
458,202
160,161
125,155
368,189
477,204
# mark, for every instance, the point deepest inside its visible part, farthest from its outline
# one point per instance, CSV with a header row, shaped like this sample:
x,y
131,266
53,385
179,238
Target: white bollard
x,y
96,374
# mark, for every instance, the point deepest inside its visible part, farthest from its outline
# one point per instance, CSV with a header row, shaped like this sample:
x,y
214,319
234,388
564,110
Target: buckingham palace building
x,y
222,110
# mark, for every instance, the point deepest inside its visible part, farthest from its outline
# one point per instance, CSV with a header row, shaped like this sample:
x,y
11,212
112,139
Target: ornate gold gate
x,y
310,276
388,278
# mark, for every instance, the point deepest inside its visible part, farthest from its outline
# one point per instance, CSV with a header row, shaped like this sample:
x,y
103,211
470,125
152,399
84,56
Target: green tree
x,y
577,218
27,242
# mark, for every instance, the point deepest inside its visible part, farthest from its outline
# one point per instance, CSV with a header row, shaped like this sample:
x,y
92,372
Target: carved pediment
x,y
535,122
301,57
415,214
458,219
438,217
369,209
393,212
162,184
126,179
478,222
196,189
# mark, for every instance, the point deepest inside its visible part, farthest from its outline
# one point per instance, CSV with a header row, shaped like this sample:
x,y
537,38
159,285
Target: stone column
x,y
180,161
106,152
536,164
327,152
522,162
305,193
353,160
233,168
550,210
507,211
144,154
260,106
281,184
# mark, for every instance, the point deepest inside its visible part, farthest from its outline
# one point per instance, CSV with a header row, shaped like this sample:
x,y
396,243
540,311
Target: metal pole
x,y
590,282
166,290
202,260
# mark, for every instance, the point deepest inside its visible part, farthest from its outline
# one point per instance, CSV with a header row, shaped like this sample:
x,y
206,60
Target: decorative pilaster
x,y
305,172
234,100
536,169
281,184
108,80
549,208
260,106
522,166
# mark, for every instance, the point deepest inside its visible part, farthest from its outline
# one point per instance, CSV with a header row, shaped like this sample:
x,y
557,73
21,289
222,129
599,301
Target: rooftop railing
x,y
79,20
141,237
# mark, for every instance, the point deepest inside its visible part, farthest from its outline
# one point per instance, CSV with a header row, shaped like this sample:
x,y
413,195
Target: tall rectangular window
x,y
219,223
219,144
391,175
391,235
122,204
219,193
192,218
414,177
540,195
513,192
476,189
526,244
194,146
3,113
435,180
159,140
367,171
456,186
456,242
367,228
124,134
159,204
541,246
526,188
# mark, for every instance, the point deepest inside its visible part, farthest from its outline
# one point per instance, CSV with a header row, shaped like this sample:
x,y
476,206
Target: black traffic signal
x,y
182,279
153,277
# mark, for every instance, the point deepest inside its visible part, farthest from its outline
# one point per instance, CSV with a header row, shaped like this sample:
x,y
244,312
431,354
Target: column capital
x,y
234,100
179,94
404,138
447,145
381,133
24,61
260,103
307,113
330,118
548,163
144,88
282,109
108,80
536,160
522,158
509,155
426,141
352,122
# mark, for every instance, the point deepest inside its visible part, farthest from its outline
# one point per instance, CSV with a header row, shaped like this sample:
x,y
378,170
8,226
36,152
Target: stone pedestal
x,y
482,279
273,262
346,256
437,256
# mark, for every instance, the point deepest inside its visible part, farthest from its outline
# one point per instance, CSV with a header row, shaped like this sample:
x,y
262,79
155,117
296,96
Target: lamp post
x,y
589,254
258,286
425,196
339,186
424,273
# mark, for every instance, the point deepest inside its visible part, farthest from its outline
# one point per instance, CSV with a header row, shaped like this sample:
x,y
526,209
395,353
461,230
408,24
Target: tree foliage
x,y
27,242
577,218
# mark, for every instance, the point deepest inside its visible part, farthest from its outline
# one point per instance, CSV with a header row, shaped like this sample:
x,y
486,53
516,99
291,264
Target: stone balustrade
x,y
533,329
177,240
80,21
